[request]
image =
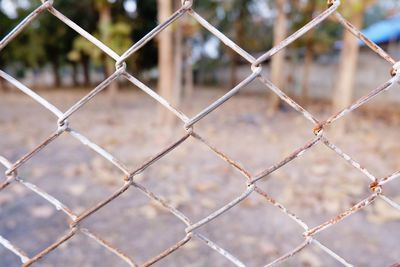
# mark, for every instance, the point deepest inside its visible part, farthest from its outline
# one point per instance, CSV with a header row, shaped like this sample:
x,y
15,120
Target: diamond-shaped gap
x,y
24,124
372,69
370,135
129,126
73,173
205,52
245,132
71,253
137,225
28,221
366,238
254,231
317,185
194,180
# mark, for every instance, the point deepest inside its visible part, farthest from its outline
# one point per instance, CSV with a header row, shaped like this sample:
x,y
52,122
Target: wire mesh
x,y
191,230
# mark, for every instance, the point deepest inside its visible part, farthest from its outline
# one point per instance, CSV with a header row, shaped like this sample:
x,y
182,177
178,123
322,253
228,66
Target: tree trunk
x,y
178,59
105,24
55,64
75,81
309,54
113,88
278,60
165,62
233,68
240,40
308,60
86,70
343,92
188,71
3,85
106,69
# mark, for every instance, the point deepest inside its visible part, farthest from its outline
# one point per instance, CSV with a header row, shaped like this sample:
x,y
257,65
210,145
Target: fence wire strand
x,y
250,180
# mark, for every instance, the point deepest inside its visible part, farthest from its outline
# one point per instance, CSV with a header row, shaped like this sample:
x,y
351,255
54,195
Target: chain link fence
x,y
250,181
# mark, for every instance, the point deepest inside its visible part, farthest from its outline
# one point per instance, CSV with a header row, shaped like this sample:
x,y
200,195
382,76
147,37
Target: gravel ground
x,y
316,186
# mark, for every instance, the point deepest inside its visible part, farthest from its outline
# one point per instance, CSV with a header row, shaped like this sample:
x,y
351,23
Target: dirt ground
x,y
316,186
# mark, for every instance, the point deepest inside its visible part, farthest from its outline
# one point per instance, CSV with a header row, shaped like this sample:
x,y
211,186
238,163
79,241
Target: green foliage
x,y
241,21
27,50
48,40
143,22
81,47
118,40
350,8
319,39
120,37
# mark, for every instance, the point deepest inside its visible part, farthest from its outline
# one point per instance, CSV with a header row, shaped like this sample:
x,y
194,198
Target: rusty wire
x,y
250,185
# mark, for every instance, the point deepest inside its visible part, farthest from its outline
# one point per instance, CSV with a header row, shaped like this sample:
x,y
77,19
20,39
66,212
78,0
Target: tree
x,y
16,55
238,25
166,60
51,42
243,22
188,59
343,92
178,58
142,22
5,21
241,6
114,32
309,50
278,60
318,40
80,49
55,44
105,24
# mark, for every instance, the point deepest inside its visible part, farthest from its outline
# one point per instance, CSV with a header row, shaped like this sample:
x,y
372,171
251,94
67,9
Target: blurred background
x,y
325,70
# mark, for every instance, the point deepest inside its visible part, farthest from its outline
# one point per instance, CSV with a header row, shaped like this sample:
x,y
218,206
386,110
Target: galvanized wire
x,y
250,180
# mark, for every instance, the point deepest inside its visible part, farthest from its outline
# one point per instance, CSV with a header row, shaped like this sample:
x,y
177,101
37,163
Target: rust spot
x,y
374,186
330,3
393,72
317,129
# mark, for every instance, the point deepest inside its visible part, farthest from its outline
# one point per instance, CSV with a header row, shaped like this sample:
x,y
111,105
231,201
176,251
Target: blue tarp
x,y
380,32
384,31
